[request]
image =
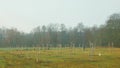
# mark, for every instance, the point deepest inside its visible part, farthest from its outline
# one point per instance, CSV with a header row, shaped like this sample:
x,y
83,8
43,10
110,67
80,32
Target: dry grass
x,y
60,58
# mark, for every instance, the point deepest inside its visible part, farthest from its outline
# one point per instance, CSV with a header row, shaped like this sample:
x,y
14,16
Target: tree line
x,y
58,35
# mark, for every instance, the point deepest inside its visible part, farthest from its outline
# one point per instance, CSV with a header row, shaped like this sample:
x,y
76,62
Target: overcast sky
x,y
28,14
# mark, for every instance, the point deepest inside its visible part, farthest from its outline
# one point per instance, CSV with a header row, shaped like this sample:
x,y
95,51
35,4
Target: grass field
x,y
60,58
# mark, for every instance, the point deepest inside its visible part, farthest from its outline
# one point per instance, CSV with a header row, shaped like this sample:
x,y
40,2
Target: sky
x,y
28,14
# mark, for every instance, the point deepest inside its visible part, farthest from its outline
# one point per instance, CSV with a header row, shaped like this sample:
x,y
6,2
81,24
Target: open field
x,y
60,58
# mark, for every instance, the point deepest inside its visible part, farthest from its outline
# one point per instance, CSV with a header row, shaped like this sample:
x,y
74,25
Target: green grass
x,y
60,58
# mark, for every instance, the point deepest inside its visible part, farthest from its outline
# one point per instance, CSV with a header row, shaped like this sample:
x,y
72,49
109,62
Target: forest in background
x,y
58,35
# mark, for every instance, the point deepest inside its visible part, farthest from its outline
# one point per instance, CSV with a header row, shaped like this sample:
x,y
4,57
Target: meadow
x,y
60,58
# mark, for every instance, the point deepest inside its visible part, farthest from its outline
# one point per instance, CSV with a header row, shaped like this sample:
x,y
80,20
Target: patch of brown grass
x,y
61,58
